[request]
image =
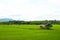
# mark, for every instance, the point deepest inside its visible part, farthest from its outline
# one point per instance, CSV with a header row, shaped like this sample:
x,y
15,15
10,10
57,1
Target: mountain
x,y
5,19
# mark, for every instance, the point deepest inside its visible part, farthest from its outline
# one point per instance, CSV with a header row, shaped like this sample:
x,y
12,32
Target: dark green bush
x,y
48,26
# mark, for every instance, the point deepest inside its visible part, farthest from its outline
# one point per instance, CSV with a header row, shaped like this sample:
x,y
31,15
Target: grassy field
x,y
28,32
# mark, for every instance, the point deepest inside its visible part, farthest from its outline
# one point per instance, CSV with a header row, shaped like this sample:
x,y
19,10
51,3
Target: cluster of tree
x,y
32,22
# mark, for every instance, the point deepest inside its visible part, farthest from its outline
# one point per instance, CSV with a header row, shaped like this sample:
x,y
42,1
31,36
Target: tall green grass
x,y
28,32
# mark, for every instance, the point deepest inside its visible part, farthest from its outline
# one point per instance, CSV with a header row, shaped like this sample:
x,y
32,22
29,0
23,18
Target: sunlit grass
x,y
28,32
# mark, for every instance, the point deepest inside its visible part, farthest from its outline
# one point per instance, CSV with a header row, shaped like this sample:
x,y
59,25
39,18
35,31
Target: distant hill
x,y
5,19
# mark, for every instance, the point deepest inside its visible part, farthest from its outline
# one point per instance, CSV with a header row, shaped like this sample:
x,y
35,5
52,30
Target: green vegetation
x,y
18,22
46,26
28,32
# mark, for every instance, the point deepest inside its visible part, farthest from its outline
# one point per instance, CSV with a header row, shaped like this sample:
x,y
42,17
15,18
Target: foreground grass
x,y
28,32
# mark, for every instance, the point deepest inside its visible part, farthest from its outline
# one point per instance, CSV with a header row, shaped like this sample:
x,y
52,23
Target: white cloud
x,y
54,1
29,9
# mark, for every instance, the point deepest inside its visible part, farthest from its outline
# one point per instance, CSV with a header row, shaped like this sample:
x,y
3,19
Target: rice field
x,y
28,32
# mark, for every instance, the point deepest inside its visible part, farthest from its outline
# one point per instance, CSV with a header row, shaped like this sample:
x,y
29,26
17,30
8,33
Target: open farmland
x,y
28,32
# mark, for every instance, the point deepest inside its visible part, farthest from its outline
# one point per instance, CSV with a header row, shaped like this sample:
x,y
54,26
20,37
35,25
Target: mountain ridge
x,y
5,19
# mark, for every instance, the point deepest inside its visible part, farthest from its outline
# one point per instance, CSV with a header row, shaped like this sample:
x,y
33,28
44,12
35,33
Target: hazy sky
x,y
30,9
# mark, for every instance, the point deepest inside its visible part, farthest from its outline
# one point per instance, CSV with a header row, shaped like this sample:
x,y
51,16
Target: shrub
x,y
45,26
48,26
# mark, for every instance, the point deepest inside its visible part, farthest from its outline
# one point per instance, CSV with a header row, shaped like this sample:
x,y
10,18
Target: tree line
x,y
31,22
